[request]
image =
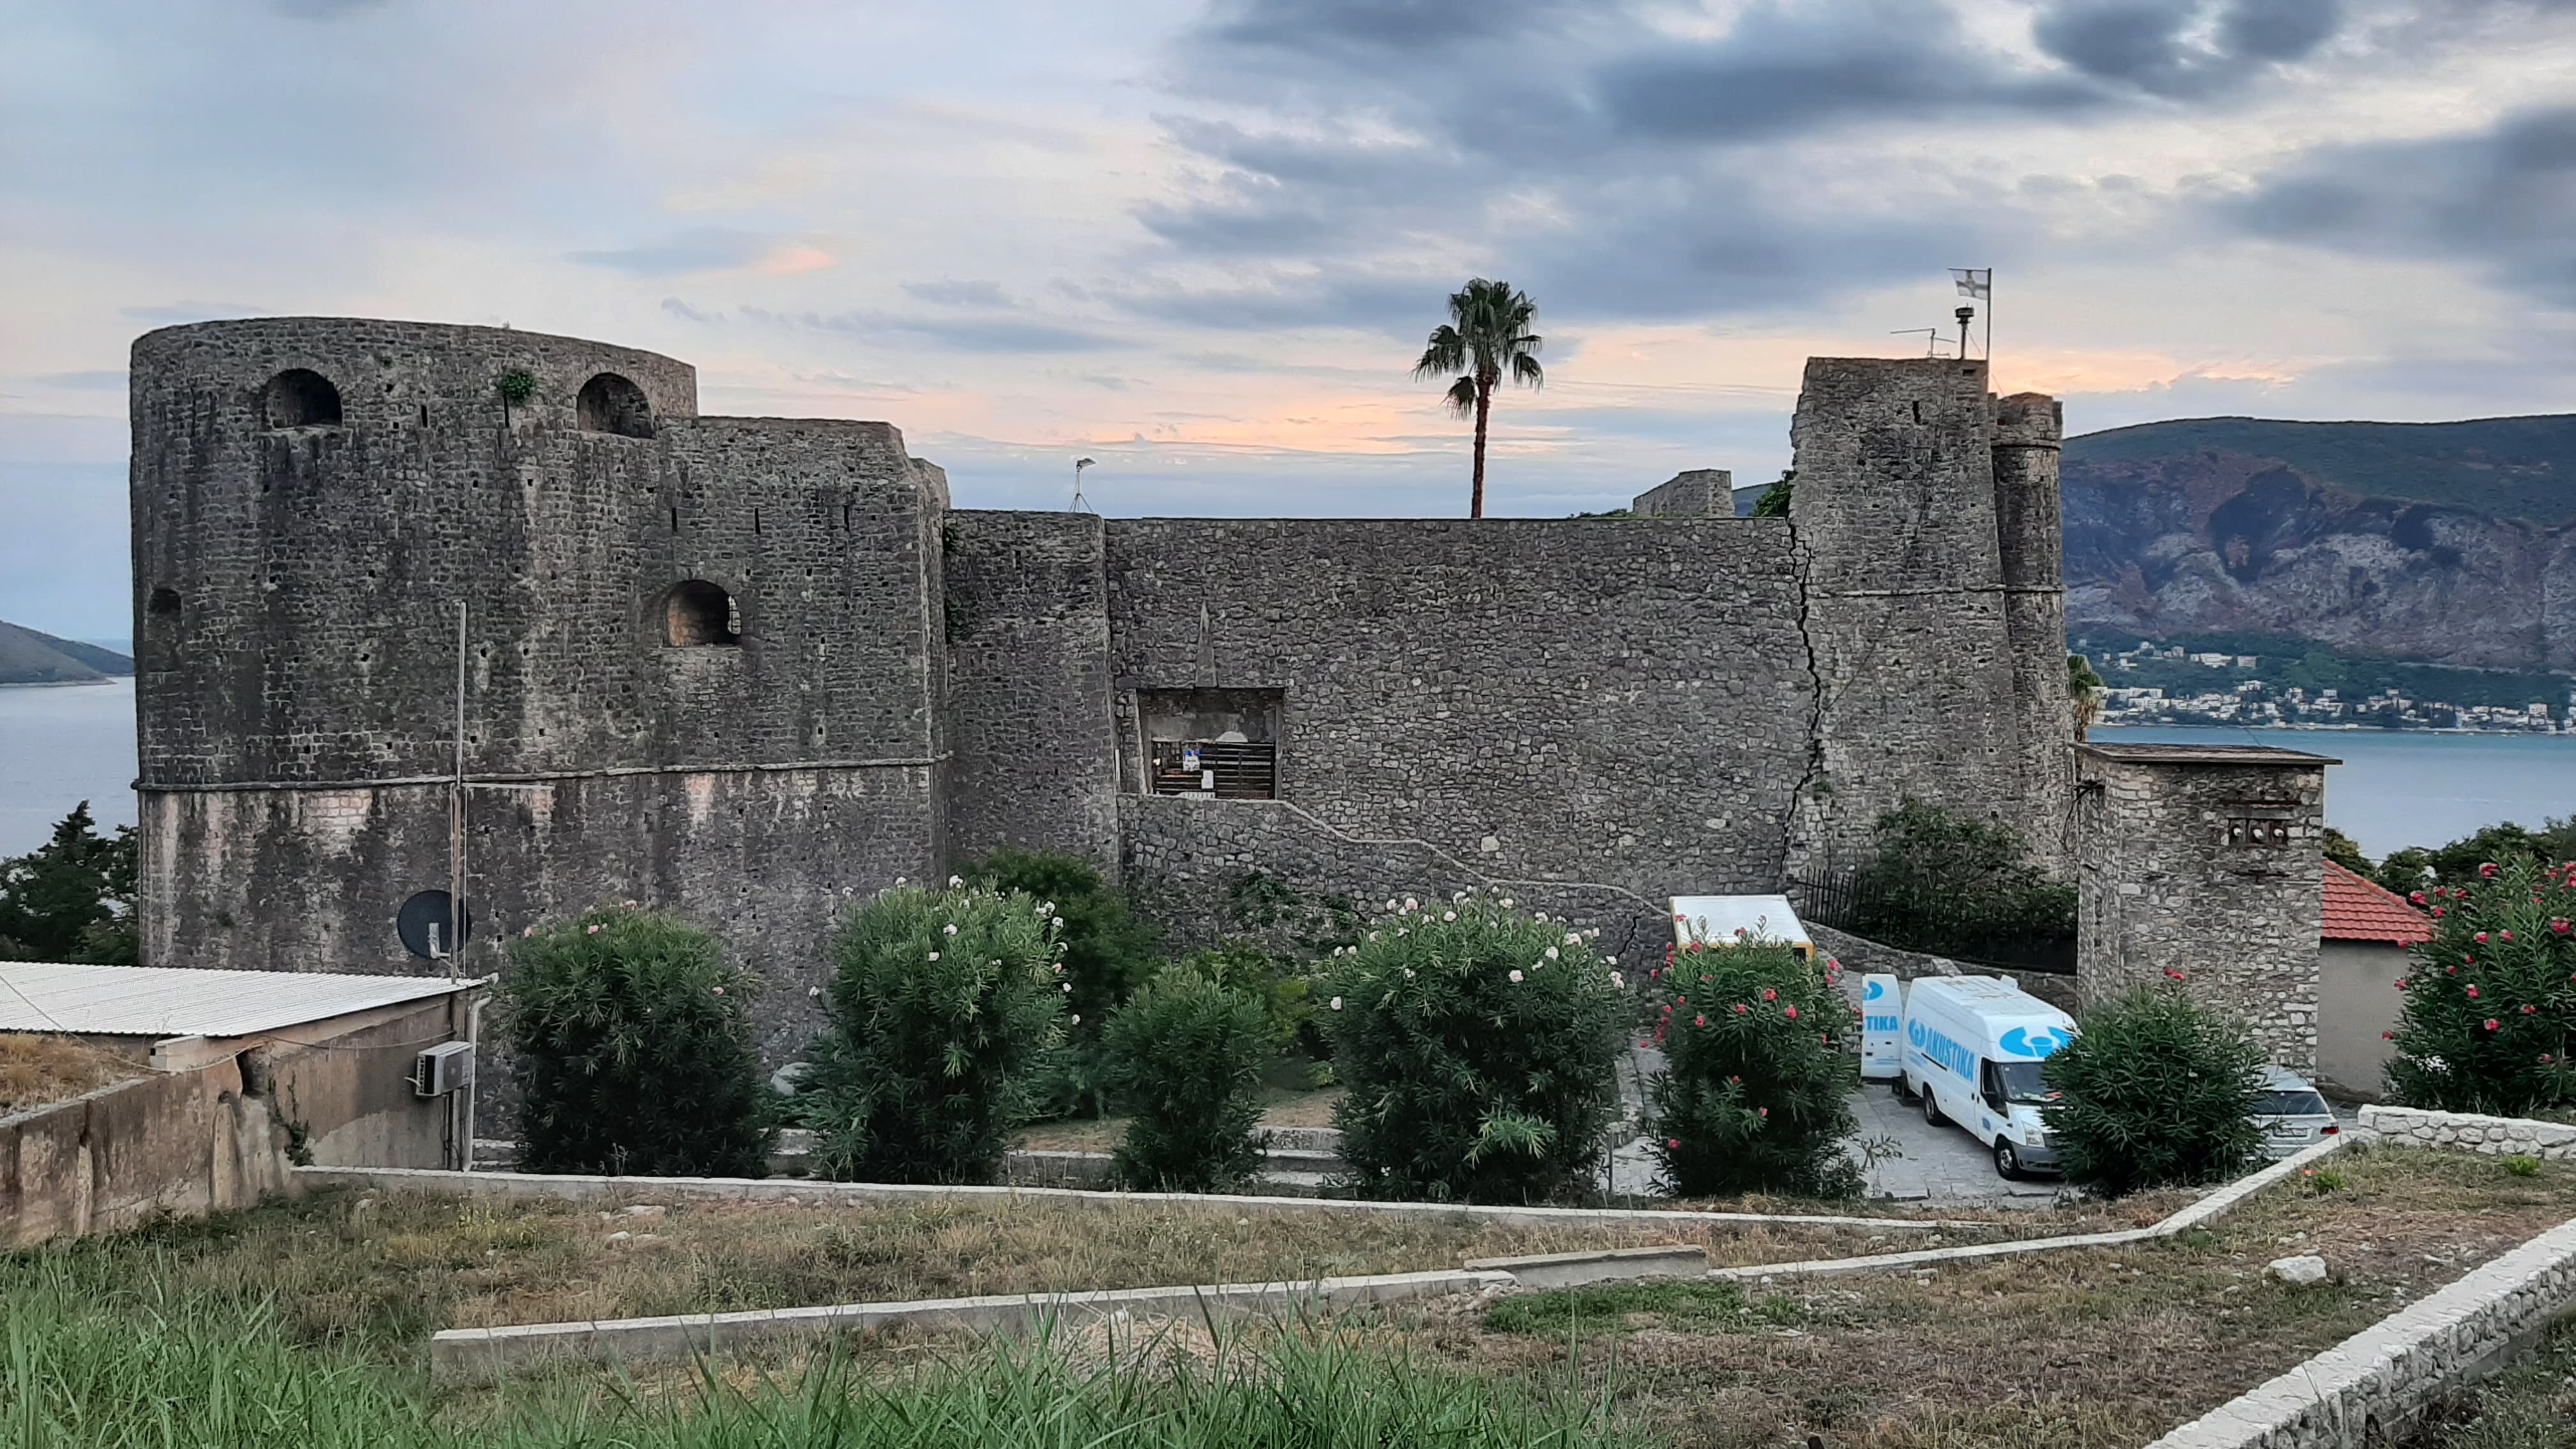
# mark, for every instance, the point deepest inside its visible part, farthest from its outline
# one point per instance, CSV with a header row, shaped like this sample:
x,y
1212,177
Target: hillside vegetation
x,y
2447,543
27,657
2521,468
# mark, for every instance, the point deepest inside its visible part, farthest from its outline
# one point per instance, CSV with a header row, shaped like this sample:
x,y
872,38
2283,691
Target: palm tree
x,y
1487,332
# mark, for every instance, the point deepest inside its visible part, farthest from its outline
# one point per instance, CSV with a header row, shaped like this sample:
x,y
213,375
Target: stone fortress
x,y
748,668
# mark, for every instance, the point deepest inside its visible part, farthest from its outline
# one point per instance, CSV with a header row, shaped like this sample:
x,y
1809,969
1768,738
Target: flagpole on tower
x,y
1979,282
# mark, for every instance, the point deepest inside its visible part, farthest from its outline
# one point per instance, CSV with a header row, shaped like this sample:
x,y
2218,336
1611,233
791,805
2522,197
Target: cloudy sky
x,y
1201,240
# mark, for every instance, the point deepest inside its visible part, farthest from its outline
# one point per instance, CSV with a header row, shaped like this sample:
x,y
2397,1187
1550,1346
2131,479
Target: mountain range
x,y
27,657
2453,543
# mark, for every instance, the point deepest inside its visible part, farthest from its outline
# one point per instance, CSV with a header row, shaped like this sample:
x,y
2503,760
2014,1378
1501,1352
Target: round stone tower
x,y
2028,429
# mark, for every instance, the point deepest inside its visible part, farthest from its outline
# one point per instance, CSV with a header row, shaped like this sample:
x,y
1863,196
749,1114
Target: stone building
x,y
2205,860
750,668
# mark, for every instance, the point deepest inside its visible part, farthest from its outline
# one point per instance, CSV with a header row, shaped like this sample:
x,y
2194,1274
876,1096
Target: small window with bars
x,y
2259,830
1226,769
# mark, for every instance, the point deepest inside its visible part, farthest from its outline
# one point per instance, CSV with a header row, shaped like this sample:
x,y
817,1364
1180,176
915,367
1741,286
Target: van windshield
x,y
2021,1083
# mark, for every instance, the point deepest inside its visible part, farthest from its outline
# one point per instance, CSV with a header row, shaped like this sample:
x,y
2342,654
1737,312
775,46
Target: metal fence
x,y
1940,925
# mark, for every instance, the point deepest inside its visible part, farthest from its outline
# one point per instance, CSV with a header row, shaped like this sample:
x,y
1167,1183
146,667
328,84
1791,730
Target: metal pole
x,y
1990,326
456,813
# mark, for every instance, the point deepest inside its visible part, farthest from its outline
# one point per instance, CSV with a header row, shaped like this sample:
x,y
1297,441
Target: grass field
x,y
2068,1350
35,1070
322,1308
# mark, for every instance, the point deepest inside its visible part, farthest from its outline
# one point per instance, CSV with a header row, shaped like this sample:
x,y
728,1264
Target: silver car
x,y
2292,1115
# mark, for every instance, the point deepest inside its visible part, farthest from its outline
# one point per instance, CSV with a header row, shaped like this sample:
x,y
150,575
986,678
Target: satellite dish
x,y
423,925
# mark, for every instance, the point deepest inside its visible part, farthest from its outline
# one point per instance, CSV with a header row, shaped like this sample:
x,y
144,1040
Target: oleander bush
x,y
944,1007
2156,1090
1477,1042
632,1035
2487,1016
1756,1090
1184,1059
1107,952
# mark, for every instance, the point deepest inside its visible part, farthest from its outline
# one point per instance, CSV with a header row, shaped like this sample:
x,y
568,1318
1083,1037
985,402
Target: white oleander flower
x,y
934,955
1337,1003
1619,981
898,880
1551,953
1077,1018
1516,978
955,881
1411,904
1057,923
1609,960
1390,905
813,991
1448,915
1067,987
1507,903
1408,973
1574,938
948,930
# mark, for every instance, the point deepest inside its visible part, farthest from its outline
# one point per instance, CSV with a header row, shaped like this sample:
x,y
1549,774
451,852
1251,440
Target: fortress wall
x,y
1036,753
1896,525
2028,429
299,703
1616,702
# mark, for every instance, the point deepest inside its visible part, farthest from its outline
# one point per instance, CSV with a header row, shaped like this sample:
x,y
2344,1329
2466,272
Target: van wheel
x,y
2007,1161
1932,1107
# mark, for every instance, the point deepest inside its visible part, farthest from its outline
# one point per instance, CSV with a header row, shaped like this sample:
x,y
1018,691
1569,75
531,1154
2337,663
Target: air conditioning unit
x,y
443,1069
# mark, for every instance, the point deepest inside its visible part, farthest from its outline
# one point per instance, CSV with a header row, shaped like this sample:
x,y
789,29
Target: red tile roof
x,y
2359,909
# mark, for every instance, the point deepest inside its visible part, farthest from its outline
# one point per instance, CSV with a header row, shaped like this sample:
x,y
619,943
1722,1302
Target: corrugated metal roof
x,y
166,1001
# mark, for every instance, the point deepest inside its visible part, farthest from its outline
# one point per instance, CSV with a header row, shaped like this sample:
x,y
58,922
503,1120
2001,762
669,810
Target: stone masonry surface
x,y
2367,1389
2469,1132
2169,879
753,669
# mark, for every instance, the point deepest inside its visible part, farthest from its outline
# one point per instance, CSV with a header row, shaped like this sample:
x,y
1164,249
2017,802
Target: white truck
x,y
1969,1048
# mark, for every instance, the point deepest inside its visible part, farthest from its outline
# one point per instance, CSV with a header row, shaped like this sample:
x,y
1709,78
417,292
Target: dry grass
x,y
2070,1350
35,1070
386,1270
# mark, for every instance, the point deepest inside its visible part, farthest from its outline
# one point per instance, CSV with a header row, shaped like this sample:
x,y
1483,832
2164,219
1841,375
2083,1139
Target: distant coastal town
x,y
2151,682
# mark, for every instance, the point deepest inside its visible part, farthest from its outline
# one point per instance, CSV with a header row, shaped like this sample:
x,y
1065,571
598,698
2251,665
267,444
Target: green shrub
x,y
1477,1043
944,1006
1755,1095
2156,1090
2522,1164
1957,886
1185,1060
2487,1015
2464,861
633,1040
1107,951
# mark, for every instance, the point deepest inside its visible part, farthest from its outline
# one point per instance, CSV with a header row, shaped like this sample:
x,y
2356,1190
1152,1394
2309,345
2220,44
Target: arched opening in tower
x,y
299,398
612,404
696,612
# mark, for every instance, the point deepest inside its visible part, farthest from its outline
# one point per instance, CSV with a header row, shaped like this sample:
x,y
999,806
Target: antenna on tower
x,y
1078,505
1931,338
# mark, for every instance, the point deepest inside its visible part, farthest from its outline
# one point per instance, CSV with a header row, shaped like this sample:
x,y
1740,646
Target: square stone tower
x,y
2207,860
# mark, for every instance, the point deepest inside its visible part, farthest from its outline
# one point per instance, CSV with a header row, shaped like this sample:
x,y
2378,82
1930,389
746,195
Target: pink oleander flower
x,y
1769,994
2492,1023
2488,870
2473,993
1790,1011
1672,1142
2480,938
1740,1008
590,930
1699,1021
718,990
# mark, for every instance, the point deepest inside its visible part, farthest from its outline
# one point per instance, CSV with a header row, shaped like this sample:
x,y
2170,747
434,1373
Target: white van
x,y
1971,1053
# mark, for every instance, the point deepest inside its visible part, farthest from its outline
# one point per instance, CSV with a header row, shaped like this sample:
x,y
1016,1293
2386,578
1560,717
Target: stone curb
x,y
2471,1132
482,1354
2193,1216
820,1192
1570,1270
2375,1383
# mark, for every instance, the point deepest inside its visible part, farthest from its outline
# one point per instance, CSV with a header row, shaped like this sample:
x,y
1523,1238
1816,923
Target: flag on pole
x,y
1975,281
